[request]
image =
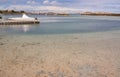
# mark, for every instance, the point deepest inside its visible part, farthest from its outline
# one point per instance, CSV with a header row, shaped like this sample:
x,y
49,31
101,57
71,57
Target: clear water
x,y
64,25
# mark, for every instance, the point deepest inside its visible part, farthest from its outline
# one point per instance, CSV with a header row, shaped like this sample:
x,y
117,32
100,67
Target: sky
x,y
62,5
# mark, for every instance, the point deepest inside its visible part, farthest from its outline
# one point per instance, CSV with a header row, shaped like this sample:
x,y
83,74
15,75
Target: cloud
x,y
20,7
48,2
31,2
54,2
94,5
57,9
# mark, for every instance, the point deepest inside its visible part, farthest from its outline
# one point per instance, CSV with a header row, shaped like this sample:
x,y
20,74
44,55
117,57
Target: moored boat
x,y
19,20
23,18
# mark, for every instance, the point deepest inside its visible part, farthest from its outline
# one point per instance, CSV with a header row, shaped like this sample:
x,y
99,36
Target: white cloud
x,y
21,7
54,3
48,2
57,9
31,2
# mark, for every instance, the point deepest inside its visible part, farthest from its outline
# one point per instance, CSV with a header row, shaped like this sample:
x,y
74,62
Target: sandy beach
x,y
68,55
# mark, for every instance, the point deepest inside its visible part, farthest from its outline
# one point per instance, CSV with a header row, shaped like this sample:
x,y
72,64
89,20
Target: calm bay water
x,y
64,25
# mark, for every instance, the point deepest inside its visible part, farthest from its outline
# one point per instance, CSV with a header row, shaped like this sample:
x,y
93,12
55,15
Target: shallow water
x,y
74,46
64,25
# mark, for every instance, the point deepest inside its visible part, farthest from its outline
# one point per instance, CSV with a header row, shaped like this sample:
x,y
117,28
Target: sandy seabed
x,y
67,55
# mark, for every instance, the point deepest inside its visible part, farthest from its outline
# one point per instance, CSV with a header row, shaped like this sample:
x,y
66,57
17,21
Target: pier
x,y
17,22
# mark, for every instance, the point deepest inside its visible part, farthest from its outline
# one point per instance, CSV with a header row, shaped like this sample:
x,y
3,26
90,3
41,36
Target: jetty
x,y
19,20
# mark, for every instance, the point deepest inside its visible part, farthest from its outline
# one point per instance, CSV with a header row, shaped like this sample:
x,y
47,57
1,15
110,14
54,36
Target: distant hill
x,y
49,13
100,14
37,13
11,12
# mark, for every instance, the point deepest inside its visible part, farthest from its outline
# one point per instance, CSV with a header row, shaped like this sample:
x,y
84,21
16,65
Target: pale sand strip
x,y
75,55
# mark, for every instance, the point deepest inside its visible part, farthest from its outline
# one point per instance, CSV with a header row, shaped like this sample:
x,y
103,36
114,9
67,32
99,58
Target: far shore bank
x,y
100,14
14,12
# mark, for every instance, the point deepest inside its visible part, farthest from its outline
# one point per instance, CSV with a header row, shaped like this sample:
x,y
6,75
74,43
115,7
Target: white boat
x,y
23,18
